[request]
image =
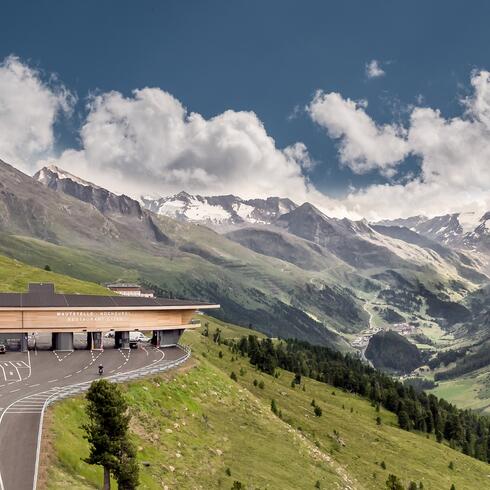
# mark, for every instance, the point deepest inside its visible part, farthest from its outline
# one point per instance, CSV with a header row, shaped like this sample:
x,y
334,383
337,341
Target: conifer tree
x,y
108,435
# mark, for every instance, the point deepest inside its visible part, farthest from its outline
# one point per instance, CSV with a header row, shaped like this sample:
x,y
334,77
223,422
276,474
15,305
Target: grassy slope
x,y
15,277
469,391
193,425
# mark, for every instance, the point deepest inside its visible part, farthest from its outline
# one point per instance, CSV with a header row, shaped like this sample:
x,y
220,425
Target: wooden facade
x,y
100,320
41,310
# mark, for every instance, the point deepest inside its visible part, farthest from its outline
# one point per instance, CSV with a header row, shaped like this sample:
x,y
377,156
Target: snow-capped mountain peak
x,y
52,172
220,211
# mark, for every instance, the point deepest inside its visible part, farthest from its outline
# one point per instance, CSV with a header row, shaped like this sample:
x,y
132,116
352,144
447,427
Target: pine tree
x,y
403,420
107,435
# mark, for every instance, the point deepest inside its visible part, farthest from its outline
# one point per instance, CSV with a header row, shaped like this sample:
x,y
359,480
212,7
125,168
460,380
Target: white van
x,y
138,337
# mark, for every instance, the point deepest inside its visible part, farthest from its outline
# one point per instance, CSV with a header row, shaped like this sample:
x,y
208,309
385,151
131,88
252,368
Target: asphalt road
x,y
27,380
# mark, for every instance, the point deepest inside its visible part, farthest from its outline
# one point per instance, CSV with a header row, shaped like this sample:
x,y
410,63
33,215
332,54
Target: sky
x,y
366,109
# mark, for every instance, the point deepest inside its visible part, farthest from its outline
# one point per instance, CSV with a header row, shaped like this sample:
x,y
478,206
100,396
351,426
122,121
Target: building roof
x,y
44,296
123,286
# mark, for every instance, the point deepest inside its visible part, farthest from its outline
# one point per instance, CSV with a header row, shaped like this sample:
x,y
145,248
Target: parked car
x,y
3,349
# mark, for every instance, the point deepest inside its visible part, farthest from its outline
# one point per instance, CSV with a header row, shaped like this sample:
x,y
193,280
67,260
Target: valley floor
x,y
199,429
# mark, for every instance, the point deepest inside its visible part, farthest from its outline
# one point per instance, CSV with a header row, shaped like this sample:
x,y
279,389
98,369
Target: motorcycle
x,y
101,370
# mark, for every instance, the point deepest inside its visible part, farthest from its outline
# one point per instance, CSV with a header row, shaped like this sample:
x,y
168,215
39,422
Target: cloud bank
x,y
149,143
454,154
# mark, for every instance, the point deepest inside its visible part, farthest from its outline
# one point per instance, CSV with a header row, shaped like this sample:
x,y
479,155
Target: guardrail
x,y
76,389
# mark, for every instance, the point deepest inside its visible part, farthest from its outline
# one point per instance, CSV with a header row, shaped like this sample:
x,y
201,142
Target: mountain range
x,y
281,268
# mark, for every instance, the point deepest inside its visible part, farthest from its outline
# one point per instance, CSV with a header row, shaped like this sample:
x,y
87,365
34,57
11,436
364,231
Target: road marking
x,y
52,380
60,359
13,391
68,376
32,386
18,372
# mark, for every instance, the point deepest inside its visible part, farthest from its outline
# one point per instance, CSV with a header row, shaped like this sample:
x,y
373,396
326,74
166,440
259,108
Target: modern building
x,y
135,290
41,309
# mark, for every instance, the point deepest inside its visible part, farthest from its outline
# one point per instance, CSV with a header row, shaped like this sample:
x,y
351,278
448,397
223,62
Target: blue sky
x,y
269,57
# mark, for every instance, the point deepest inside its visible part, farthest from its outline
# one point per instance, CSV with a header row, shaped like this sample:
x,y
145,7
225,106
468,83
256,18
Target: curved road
x,y
29,381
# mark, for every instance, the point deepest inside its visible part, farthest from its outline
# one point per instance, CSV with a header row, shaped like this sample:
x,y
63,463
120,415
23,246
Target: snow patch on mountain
x,y
218,211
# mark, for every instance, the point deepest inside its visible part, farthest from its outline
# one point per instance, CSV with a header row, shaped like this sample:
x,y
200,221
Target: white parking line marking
x,y
52,380
13,391
32,386
18,372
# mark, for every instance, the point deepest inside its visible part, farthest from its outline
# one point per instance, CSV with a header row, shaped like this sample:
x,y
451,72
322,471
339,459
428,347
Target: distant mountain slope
x,y
219,210
285,246
391,351
458,230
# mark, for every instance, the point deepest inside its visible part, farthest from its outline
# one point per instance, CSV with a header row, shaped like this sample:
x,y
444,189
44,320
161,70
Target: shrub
x,y
394,483
318,411
233,376
261,385
274,407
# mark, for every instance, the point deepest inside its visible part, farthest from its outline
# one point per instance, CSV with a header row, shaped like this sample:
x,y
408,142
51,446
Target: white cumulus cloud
x,y
28,110
364,145
374,70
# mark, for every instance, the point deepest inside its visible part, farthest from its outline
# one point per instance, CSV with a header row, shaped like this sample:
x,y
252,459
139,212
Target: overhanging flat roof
x,y
43,296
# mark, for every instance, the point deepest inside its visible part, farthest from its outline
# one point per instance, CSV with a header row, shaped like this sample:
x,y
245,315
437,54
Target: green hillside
x,y
197,428
16,276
